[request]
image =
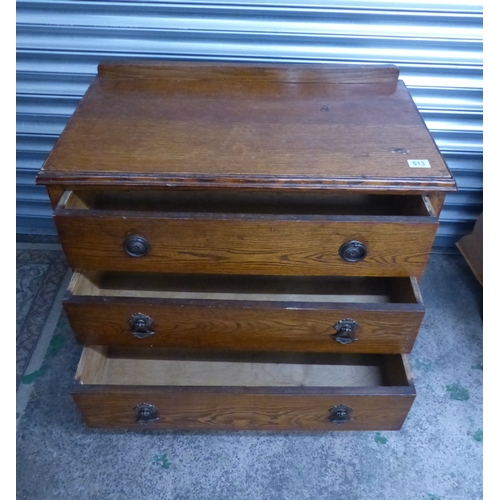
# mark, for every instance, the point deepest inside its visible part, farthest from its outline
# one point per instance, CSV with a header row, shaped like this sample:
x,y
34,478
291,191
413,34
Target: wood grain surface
x,y
240,244
197,125
267,322
200,410
220,72
380,407
239,171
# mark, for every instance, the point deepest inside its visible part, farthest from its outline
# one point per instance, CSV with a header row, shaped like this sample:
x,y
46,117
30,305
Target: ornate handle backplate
x,y
146,413
140,325
340,414
345,331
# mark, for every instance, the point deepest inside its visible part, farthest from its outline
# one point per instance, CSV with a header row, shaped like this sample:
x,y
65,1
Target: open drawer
x,y
237,232
273,313
157,388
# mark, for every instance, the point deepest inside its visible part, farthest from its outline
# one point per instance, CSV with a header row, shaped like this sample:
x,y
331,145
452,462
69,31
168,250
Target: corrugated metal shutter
x,y
437,46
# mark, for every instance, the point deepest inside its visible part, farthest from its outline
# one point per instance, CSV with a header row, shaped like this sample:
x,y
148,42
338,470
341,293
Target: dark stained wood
x,y
244,325
234,169
203,326
55,192
262,127
251,72
249,408
280,358
407,291
437,201
248,202
471,247
247,182
246,244
205,410
397,371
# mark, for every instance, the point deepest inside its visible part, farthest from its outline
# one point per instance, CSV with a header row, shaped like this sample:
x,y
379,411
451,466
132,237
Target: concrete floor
x,y
436,456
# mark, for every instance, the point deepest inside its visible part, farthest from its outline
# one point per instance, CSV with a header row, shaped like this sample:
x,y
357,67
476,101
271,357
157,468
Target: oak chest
x,y
246,243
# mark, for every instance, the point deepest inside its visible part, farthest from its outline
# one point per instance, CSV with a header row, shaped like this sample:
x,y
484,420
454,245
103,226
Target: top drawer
x,y
227,232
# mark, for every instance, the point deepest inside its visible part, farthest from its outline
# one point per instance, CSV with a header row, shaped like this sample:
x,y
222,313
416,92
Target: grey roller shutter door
x,y
437,46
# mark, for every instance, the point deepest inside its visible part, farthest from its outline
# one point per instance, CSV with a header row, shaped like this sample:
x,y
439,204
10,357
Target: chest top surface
x,y
238,125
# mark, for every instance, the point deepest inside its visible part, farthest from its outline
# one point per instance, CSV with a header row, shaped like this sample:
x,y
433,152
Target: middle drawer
x,y
255,313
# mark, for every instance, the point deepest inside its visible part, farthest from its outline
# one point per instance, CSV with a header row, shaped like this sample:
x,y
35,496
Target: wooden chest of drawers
x,y
246,243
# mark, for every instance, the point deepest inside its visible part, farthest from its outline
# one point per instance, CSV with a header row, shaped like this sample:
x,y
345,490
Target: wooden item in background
x,y
471,247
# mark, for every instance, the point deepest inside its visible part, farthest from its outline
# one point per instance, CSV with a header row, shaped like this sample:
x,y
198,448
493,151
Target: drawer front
x,y
273,327
258,245
195,410
358,324
372,399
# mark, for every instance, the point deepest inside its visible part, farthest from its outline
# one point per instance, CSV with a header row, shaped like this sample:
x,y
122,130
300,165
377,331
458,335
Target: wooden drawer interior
x,y
330,289
246,202
166,367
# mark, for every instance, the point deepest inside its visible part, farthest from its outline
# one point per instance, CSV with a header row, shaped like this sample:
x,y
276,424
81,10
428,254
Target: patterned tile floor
x,y
40,270
41,279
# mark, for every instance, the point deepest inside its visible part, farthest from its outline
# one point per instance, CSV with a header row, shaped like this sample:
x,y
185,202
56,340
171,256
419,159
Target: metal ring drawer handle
x,y
340,414
353,251
136,246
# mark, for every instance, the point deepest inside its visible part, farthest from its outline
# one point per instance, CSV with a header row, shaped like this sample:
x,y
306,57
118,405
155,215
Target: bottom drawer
x,y
162,389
